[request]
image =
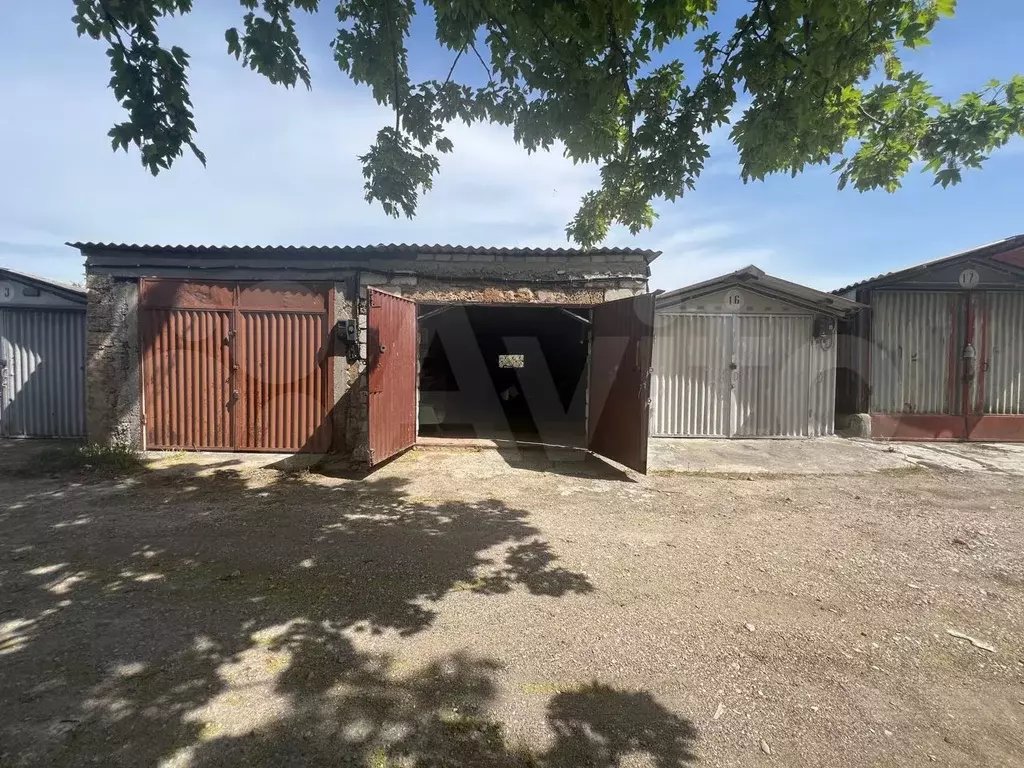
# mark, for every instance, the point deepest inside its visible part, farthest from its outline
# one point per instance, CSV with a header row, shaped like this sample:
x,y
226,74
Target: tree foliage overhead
x,y
815,82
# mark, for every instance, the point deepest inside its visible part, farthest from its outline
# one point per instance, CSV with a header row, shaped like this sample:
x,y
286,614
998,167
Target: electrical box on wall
x,y
347,334
824,326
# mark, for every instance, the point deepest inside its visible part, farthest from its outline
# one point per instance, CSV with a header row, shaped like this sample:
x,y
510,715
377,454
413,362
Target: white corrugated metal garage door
x,y
690,392
741,376
42,372
1004,376
910,352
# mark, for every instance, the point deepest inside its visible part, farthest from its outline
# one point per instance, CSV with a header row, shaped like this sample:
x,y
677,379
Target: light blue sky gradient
x,y
283,169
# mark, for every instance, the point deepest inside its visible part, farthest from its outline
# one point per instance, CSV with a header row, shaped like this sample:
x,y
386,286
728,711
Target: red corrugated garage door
x,y
619,405
235,366
391,354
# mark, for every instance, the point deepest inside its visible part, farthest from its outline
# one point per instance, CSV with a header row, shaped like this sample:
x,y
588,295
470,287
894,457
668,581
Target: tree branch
x,y
490,74
616,45
450,71
116,27
394,62
623,66
869,116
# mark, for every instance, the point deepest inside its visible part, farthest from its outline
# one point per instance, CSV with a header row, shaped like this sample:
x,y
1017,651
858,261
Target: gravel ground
x,y
457,609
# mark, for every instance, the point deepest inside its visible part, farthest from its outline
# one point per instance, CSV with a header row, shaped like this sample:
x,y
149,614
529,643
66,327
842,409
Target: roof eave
x,y
761,283
353,252
52,286
979,252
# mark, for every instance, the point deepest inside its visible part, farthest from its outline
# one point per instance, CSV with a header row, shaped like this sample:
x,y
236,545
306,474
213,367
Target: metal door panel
x,y
282,402
913,355
618,409
166,293
1001,354
691,390
187,379
392,362
775,384
235,365
6,374
42,373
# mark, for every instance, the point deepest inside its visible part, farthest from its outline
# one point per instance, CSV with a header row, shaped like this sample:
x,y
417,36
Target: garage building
x,y
42,357
940,354
745,355
364,350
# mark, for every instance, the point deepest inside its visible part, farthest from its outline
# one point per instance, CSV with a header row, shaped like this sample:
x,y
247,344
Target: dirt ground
x,y
470,609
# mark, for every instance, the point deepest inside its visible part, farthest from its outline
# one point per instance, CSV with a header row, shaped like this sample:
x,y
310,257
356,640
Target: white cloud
x,y
283,169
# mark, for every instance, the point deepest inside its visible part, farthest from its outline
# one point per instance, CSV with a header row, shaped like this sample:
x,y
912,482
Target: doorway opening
x,y
513,372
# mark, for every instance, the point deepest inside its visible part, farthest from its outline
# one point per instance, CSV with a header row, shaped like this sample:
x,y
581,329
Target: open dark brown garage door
x,y
618,410
391,358
235,366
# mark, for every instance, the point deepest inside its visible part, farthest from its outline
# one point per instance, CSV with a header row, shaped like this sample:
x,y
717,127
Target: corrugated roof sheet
x,y
770,285
343,251
44,283
989,249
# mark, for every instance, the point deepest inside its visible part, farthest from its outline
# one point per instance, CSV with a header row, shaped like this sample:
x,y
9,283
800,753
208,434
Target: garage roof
x,y
354,252
63,290
773,287
1009,251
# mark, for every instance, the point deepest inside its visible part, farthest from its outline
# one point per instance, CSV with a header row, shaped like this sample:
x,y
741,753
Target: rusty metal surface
x,y
217,376
42,379
186,294
187,379
392,360
282,297
283,398
1014,258
618,409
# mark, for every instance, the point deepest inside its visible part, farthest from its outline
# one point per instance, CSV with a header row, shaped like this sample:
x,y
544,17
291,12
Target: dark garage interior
x,y
504,372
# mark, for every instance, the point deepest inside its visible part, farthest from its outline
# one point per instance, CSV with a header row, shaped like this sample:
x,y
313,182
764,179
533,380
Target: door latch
x,y
969,357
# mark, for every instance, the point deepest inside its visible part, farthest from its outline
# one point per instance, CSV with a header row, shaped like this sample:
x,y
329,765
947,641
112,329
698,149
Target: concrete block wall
x,y
113,408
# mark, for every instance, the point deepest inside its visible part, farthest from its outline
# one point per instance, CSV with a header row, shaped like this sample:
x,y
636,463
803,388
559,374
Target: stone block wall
x,y
113,410
113,407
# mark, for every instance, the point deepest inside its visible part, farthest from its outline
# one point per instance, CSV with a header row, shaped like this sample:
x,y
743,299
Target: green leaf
x,y
234,45
818,83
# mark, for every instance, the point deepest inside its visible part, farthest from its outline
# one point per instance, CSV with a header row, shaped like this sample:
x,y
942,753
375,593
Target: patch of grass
x,y
101,459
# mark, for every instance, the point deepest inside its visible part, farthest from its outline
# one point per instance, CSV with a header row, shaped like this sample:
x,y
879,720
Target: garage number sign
x,y
733,300
969,278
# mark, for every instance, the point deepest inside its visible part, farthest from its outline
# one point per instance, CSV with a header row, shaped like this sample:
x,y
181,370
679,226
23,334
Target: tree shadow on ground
x,y
133,611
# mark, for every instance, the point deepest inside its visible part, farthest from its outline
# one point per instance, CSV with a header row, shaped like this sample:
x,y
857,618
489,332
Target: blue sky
x,y
283,170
